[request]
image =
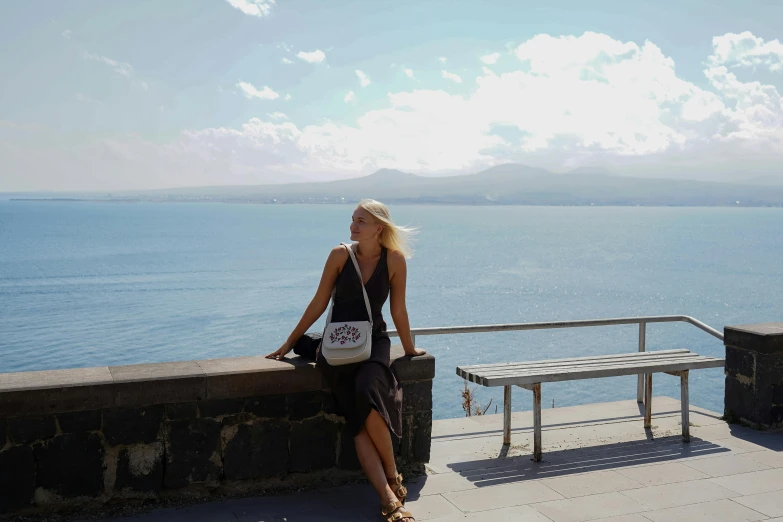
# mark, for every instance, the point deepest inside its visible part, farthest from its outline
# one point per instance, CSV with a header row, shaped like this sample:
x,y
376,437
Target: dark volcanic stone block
x,y
760,338
777,394
739,397
182,410
140,468
132,425
257,450
79,421
192,452
28,429
71,465
17,478
417,396
304,405
216,407
313,444
160,383
740,362
422,436
238,452
421,368
3,436
347,458
268,406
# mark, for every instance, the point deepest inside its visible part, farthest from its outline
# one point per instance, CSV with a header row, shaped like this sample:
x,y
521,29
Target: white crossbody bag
x,y
348,342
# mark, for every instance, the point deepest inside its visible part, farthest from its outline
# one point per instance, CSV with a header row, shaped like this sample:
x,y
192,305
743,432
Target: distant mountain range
x,y
509,184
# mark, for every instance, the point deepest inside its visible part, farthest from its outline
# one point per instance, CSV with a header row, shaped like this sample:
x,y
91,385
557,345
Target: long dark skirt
x,y
361,387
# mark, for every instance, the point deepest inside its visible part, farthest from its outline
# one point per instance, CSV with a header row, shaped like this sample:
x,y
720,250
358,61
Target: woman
x,y
368,393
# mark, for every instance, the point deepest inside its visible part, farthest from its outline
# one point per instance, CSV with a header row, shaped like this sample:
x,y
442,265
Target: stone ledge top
x,y
763,337
80,389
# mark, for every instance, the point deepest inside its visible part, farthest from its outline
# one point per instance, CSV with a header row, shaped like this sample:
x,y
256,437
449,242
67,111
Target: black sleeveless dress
x,y
372,384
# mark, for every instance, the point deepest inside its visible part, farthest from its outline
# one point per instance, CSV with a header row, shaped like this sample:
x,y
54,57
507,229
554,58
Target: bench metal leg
x,y
507,415
686,425
537,422
642,347
648,401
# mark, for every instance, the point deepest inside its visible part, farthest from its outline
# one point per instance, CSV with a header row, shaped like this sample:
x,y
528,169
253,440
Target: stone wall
x,y
97,434
754,375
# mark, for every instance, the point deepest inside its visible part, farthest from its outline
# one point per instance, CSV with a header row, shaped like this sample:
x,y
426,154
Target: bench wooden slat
x,y
539,365
579,359
531,377
586,373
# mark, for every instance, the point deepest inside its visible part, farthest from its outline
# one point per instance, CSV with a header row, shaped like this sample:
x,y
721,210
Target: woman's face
x,y
363,225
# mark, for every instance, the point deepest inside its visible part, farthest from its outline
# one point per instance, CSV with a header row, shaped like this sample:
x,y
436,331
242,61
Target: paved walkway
x,y
599,464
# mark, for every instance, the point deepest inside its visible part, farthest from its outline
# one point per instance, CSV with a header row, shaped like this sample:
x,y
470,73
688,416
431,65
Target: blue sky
x,y
149,94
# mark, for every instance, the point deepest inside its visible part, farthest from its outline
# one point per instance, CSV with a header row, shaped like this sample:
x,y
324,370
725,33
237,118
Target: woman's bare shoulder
x,y
395,259
338,255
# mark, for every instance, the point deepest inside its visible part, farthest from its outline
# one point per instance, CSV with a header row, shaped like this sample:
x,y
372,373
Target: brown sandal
x,y
396,486
394,512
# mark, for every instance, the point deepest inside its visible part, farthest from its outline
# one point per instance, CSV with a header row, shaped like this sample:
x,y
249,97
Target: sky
x,y
105,96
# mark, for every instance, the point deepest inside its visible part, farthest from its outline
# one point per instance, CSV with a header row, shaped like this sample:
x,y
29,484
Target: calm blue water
x,y
88,284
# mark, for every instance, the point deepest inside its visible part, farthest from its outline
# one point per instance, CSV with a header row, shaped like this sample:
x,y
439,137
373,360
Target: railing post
x,y
642,347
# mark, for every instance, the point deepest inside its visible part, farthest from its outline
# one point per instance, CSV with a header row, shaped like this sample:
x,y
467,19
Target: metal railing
x,y
512,327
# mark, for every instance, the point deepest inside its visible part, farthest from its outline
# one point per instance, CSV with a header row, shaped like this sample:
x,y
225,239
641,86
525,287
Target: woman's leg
x,y
372,466
378,431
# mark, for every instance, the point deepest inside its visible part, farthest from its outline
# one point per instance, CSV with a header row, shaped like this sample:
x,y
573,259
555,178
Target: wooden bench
x,y
531,374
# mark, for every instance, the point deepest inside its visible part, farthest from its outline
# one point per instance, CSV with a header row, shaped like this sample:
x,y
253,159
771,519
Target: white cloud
x,y
746,50
442,59
571,100
259,8
316,56
121,68
250,91
451,76
364,80
490,59
277,116
287,61
67,34
409,73
349,97
287,97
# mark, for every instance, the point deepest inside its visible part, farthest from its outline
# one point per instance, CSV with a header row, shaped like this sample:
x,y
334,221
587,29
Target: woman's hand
x,y
415,352
279,354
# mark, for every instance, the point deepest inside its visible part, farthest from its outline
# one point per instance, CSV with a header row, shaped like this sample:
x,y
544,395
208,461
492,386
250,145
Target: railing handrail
x,y
510,327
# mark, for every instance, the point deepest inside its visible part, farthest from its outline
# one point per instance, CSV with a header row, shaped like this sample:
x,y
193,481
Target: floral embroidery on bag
x,y
344,334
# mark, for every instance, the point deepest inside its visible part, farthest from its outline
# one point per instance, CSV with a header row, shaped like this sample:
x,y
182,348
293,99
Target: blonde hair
x,y
393,237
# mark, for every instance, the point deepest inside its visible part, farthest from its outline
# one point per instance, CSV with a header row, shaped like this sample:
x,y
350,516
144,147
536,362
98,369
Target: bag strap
x,y
361,281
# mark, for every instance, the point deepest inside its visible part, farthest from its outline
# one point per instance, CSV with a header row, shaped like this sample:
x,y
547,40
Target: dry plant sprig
x,y
470,404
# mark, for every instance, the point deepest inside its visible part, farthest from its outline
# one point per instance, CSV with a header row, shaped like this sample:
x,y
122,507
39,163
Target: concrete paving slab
x,y
592,507
714,511
679,494
768,504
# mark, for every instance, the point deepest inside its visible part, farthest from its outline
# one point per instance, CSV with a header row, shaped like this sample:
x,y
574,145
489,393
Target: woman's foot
x,y
395,512
400,491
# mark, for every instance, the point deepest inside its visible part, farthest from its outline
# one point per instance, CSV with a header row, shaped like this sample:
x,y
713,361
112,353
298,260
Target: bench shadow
x,y
506,470
553,425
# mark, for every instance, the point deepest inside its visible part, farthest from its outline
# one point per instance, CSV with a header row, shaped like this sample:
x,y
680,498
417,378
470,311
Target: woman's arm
x,y
318,304
399,312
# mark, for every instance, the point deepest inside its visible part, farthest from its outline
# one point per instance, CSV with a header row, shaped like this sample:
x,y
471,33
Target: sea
x,y
97,283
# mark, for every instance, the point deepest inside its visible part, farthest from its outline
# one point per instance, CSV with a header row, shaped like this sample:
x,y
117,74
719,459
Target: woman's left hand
x,y
415,352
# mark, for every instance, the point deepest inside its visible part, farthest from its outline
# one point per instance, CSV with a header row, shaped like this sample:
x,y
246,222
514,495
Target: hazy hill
x,y
502,184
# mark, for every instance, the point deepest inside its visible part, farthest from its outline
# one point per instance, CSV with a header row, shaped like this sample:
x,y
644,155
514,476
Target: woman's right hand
x,y
279,354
